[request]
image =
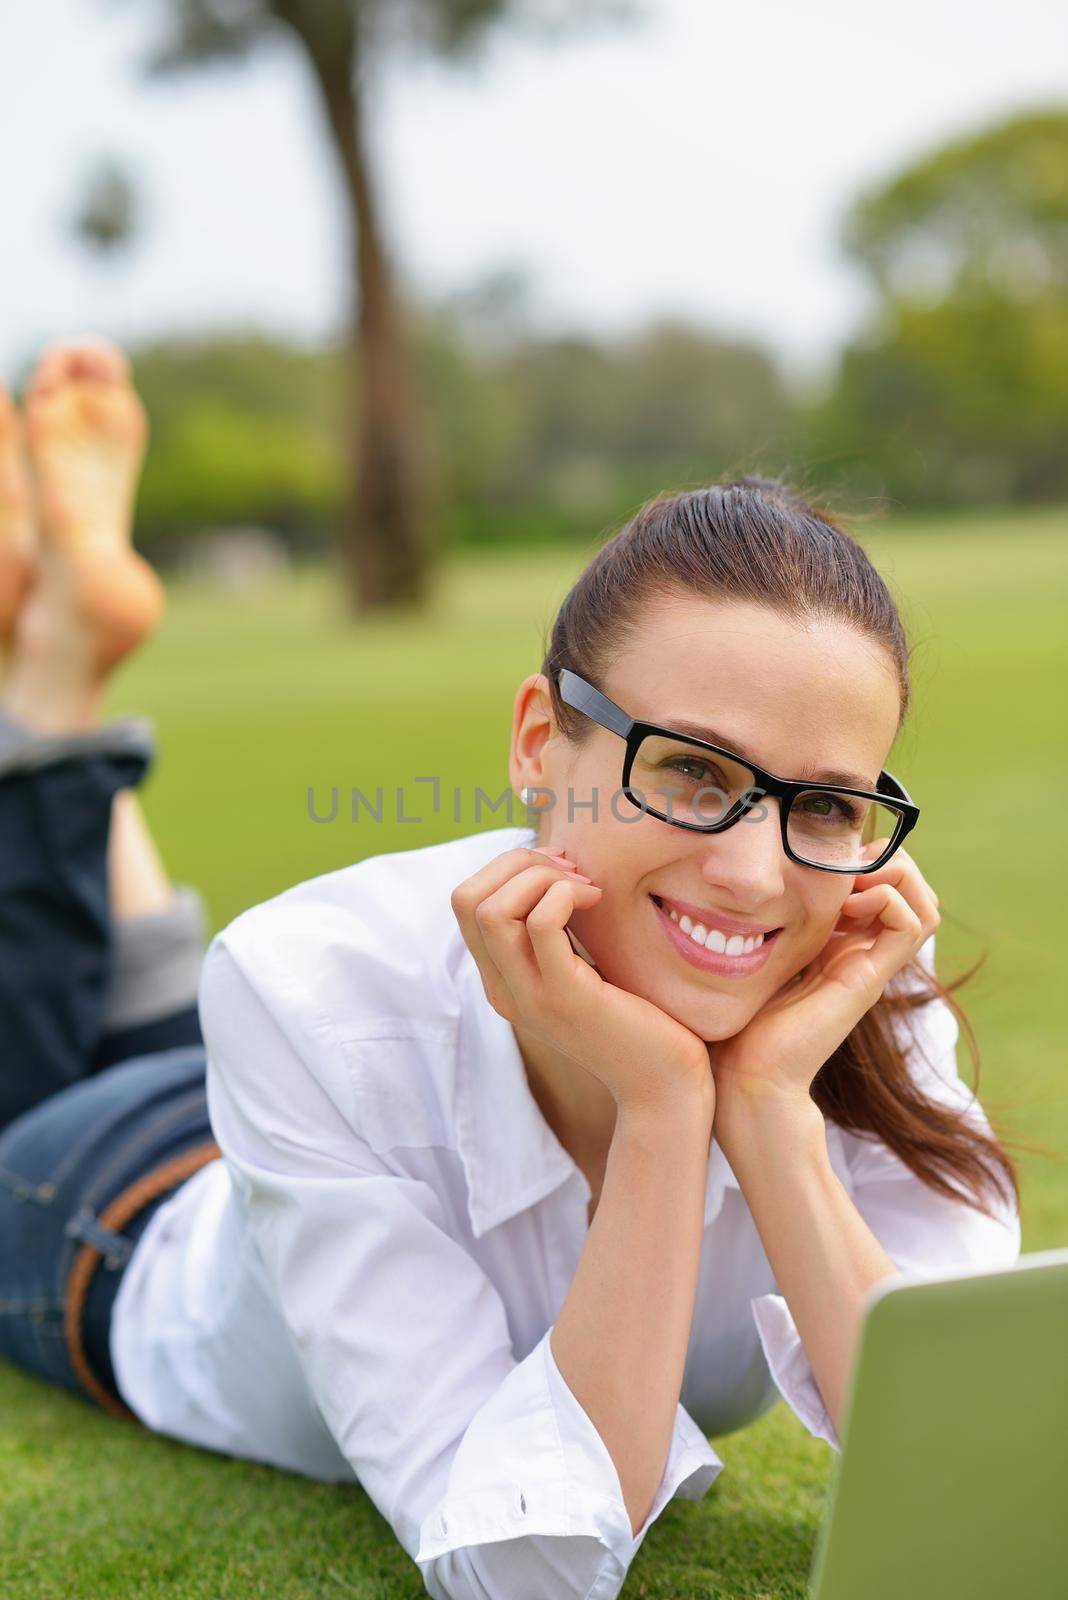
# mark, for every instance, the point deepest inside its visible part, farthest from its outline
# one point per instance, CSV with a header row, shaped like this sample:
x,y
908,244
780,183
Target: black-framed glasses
x,y
709,789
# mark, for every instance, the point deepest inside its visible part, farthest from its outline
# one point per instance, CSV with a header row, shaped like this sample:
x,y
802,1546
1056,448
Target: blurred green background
x,y
366,530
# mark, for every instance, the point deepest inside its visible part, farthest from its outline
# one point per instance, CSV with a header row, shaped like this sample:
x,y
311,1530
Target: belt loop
x,y
84,1226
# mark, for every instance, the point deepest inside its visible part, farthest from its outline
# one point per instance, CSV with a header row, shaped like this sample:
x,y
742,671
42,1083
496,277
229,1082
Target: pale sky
x,y
697,165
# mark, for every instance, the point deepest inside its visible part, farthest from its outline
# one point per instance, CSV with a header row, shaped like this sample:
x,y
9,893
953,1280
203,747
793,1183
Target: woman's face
x,y
800,699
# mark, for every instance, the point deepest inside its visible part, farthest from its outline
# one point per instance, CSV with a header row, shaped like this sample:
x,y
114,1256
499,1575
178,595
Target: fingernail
x,y
570,868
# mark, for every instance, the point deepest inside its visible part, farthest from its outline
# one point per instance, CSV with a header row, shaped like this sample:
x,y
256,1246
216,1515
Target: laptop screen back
x,y
953,1479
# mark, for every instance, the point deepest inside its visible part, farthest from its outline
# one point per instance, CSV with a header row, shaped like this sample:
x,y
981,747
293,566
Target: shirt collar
x,y
510,1155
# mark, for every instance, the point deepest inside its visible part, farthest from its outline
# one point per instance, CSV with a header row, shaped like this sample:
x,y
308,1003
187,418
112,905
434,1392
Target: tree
x,y
957,391
344,44
108,214
984,215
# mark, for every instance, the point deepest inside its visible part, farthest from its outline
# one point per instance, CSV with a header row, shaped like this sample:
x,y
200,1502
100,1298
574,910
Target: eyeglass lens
x,y
684,783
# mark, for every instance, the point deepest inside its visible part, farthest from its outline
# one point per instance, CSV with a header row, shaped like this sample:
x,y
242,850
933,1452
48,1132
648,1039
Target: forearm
x,y
621,1336
824,1256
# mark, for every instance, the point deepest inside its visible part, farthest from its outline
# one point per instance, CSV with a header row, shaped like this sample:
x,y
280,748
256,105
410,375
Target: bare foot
x,y
17,534
94,598
87,432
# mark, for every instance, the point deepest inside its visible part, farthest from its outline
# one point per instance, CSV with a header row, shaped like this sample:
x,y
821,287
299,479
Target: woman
x,y
514,1165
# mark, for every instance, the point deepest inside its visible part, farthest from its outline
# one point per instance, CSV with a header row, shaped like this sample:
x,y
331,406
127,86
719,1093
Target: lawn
x,y
258,698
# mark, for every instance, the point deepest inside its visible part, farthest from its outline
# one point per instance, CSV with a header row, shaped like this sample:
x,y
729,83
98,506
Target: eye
x,y
833,807
678,763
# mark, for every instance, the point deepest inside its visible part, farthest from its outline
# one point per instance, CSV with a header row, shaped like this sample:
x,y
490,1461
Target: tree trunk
x,y
384,555
387,561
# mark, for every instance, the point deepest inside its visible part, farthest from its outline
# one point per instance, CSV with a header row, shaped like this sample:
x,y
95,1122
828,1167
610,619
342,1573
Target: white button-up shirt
x,y
364,1285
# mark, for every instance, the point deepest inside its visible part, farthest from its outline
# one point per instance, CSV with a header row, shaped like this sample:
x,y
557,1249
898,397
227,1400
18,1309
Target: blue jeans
x,y
102,1100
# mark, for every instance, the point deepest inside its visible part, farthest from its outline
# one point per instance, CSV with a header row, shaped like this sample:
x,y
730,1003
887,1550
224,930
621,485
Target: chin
x,y
713,1030
717,1019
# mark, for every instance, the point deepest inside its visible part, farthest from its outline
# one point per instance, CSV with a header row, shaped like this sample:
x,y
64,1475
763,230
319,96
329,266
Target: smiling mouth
x,y
712,939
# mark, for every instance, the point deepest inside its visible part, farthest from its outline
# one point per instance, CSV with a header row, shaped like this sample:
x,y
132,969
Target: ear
x,y
532,730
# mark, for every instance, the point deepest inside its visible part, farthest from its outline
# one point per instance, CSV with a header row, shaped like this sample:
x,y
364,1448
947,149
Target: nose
x,y
747,862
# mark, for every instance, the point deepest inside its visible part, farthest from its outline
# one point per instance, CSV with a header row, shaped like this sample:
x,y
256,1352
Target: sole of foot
x,y
17,530
87,431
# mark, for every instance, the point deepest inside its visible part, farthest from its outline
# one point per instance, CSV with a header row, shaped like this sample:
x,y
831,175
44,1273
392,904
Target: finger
x,y
468,897
559,963
504,915
473,890
899,933
903,872
501,868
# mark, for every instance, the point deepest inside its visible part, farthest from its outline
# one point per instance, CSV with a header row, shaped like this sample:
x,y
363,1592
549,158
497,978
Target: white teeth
x,y
712,939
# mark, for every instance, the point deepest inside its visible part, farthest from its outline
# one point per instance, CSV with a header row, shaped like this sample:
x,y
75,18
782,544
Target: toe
x,y
10,422
49,372
90,357
99,358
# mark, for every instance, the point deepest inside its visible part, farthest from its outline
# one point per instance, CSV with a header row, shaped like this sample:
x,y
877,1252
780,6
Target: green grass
x,y
257,698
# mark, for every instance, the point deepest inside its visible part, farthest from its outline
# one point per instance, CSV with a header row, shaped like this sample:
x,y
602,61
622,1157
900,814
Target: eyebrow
x,y
696,730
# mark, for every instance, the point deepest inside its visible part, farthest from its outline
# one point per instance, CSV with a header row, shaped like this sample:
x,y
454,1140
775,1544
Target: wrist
x,y
762,1113
680,1110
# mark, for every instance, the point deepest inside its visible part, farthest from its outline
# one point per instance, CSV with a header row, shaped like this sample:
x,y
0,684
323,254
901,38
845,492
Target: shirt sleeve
x,y
490,1472
924,1234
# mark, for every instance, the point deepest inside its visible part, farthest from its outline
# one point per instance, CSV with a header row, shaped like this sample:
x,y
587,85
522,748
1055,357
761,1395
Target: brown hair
x,y
757,540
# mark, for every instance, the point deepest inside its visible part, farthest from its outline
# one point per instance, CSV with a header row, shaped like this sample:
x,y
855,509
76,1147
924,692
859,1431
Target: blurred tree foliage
x,y
108,213
958,391
244,430
528,440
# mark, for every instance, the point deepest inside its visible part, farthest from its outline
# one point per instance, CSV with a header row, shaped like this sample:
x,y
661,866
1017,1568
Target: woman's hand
x,y
513,915
772,1061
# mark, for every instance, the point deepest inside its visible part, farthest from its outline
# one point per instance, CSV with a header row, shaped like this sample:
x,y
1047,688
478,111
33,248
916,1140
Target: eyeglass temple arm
x,y
575,691
893,788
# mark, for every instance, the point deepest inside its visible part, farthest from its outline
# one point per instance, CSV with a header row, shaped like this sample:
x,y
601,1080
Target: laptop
x,y
952,1483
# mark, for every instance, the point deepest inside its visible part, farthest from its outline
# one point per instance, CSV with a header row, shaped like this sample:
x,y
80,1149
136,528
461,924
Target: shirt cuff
x,y
532,1462
789,1366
